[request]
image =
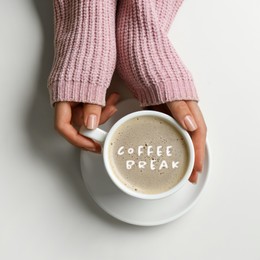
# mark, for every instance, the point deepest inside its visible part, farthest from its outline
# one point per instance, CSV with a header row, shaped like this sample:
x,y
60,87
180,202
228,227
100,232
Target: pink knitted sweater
x,y
93,37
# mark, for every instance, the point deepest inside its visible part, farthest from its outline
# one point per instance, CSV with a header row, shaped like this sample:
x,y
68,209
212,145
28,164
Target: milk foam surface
x,y
148,155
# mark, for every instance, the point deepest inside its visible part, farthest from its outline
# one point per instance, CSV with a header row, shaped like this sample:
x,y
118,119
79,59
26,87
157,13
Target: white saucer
x,y
132,210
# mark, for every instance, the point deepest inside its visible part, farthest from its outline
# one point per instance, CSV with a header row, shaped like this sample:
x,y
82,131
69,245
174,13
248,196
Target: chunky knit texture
x,y
89,33
85,50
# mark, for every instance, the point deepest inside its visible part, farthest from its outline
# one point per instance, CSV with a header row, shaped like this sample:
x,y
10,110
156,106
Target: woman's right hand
x,y
190,117
70,116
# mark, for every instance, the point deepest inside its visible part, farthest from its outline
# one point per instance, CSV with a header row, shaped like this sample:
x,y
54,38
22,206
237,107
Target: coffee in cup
x,y
148,154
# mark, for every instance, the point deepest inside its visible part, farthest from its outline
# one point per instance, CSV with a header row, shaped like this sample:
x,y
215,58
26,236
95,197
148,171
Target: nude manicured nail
x,y
92,121
190,123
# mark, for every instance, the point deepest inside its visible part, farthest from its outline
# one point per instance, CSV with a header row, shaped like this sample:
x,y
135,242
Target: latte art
x,y
148,154
152,165
149,151
141,149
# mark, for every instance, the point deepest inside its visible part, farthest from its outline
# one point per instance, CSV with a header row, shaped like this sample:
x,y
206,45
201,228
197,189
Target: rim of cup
x,y
168,119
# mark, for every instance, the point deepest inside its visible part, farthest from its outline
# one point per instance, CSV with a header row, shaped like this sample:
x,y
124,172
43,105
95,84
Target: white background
x,y
45,211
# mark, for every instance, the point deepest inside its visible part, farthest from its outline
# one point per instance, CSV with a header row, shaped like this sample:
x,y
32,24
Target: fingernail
x,y
190,123
92,121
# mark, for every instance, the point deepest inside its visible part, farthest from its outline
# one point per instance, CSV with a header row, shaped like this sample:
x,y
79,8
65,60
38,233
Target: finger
x,y
194,108
77,116
112,99
107,113
198,136
181,112
63,115
194,177
91,115
199,141
110,108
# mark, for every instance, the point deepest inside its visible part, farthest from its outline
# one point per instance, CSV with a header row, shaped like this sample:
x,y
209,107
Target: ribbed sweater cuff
x,y
167,91
77,92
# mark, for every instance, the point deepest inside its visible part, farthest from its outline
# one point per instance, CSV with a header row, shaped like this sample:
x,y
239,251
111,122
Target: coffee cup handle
x,y
97,134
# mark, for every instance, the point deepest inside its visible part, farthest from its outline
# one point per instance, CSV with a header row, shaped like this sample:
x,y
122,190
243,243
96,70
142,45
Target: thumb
x,y
91,115
181,112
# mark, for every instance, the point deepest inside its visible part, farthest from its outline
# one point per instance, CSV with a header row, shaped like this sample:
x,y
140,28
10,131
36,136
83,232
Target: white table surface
x,y
45,211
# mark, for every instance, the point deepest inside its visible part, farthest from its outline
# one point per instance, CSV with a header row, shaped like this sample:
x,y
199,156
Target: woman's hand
x,y
70,116
189,116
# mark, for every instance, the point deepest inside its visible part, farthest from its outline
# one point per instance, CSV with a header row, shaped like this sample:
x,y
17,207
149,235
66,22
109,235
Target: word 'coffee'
x,y
148,155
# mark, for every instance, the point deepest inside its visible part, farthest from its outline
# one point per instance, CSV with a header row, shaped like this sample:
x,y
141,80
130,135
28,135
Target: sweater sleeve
x,y
85,50
146,59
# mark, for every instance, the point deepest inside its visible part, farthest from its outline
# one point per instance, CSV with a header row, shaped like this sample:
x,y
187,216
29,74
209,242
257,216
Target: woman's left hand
x,y
189,116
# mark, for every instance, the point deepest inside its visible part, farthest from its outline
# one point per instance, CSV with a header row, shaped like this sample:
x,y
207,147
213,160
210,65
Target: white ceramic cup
x,y
104,139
